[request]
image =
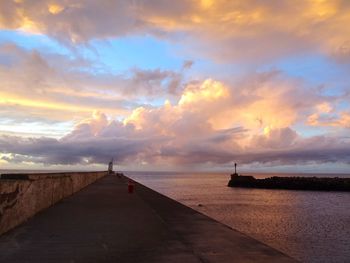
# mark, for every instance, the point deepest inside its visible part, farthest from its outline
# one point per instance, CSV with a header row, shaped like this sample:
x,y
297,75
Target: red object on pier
x,y
131,186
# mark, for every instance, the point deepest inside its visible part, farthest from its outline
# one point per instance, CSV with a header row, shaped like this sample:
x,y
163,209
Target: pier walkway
x,y
104,223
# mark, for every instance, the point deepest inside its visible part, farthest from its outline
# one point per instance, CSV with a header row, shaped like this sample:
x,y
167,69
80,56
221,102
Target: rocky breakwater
x,y
24,195
291,183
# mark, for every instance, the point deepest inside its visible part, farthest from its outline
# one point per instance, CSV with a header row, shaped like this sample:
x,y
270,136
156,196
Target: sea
x,y
310,226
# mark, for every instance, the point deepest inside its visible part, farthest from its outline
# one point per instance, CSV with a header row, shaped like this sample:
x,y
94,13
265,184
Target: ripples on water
x,y
307,225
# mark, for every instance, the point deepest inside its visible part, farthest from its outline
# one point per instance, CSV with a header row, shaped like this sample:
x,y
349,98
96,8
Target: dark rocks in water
x,y
291,183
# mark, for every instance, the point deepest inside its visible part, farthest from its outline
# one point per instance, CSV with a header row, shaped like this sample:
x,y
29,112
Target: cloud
x,y
187,64
242,30
47,81
135,149
159,116
329,118
67,21
191,132
52,151
40,85
281,138
153,82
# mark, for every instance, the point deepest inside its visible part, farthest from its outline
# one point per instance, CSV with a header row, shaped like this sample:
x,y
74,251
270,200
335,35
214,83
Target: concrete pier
x,y
105,223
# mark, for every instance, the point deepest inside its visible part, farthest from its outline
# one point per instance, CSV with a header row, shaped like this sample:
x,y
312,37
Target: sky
x,y
192,85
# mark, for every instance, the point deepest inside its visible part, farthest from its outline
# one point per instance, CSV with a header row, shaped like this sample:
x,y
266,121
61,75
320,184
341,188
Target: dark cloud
x,y
52,151
187,64
153,82
129,150
276,139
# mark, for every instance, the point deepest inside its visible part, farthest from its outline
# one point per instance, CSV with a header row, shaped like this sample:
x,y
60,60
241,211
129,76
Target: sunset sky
x,y
175,85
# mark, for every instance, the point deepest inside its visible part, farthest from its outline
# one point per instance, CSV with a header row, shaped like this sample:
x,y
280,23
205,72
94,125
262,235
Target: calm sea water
x,y
309,226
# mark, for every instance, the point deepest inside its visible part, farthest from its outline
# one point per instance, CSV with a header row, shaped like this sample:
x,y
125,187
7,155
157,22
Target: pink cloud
x,y
186,134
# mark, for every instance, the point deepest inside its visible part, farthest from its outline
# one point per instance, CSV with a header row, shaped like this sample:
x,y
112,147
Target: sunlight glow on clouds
x,y
259,29
221,95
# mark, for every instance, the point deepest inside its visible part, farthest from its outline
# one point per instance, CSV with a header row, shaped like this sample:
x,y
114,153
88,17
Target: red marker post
x,y
131,186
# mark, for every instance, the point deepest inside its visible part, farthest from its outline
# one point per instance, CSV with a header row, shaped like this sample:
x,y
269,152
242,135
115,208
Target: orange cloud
x,y
256,30
326,115
10,99
208,91
55,8
341,120
211,106
200,100
242,29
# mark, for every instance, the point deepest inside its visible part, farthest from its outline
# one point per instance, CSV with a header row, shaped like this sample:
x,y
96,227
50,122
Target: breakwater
x,y
291,183
106,223
24,195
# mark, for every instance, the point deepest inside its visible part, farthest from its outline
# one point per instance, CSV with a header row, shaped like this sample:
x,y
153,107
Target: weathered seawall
x,y
24,195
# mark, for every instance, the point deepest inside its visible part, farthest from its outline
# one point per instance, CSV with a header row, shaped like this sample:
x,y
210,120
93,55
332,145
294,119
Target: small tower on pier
x,y
234,174
110,167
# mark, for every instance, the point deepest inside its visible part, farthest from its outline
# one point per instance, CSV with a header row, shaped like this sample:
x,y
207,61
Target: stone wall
x,y
24,195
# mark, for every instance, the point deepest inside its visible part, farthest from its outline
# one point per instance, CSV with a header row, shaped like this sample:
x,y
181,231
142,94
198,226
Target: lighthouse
x,y
234,174
110,167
